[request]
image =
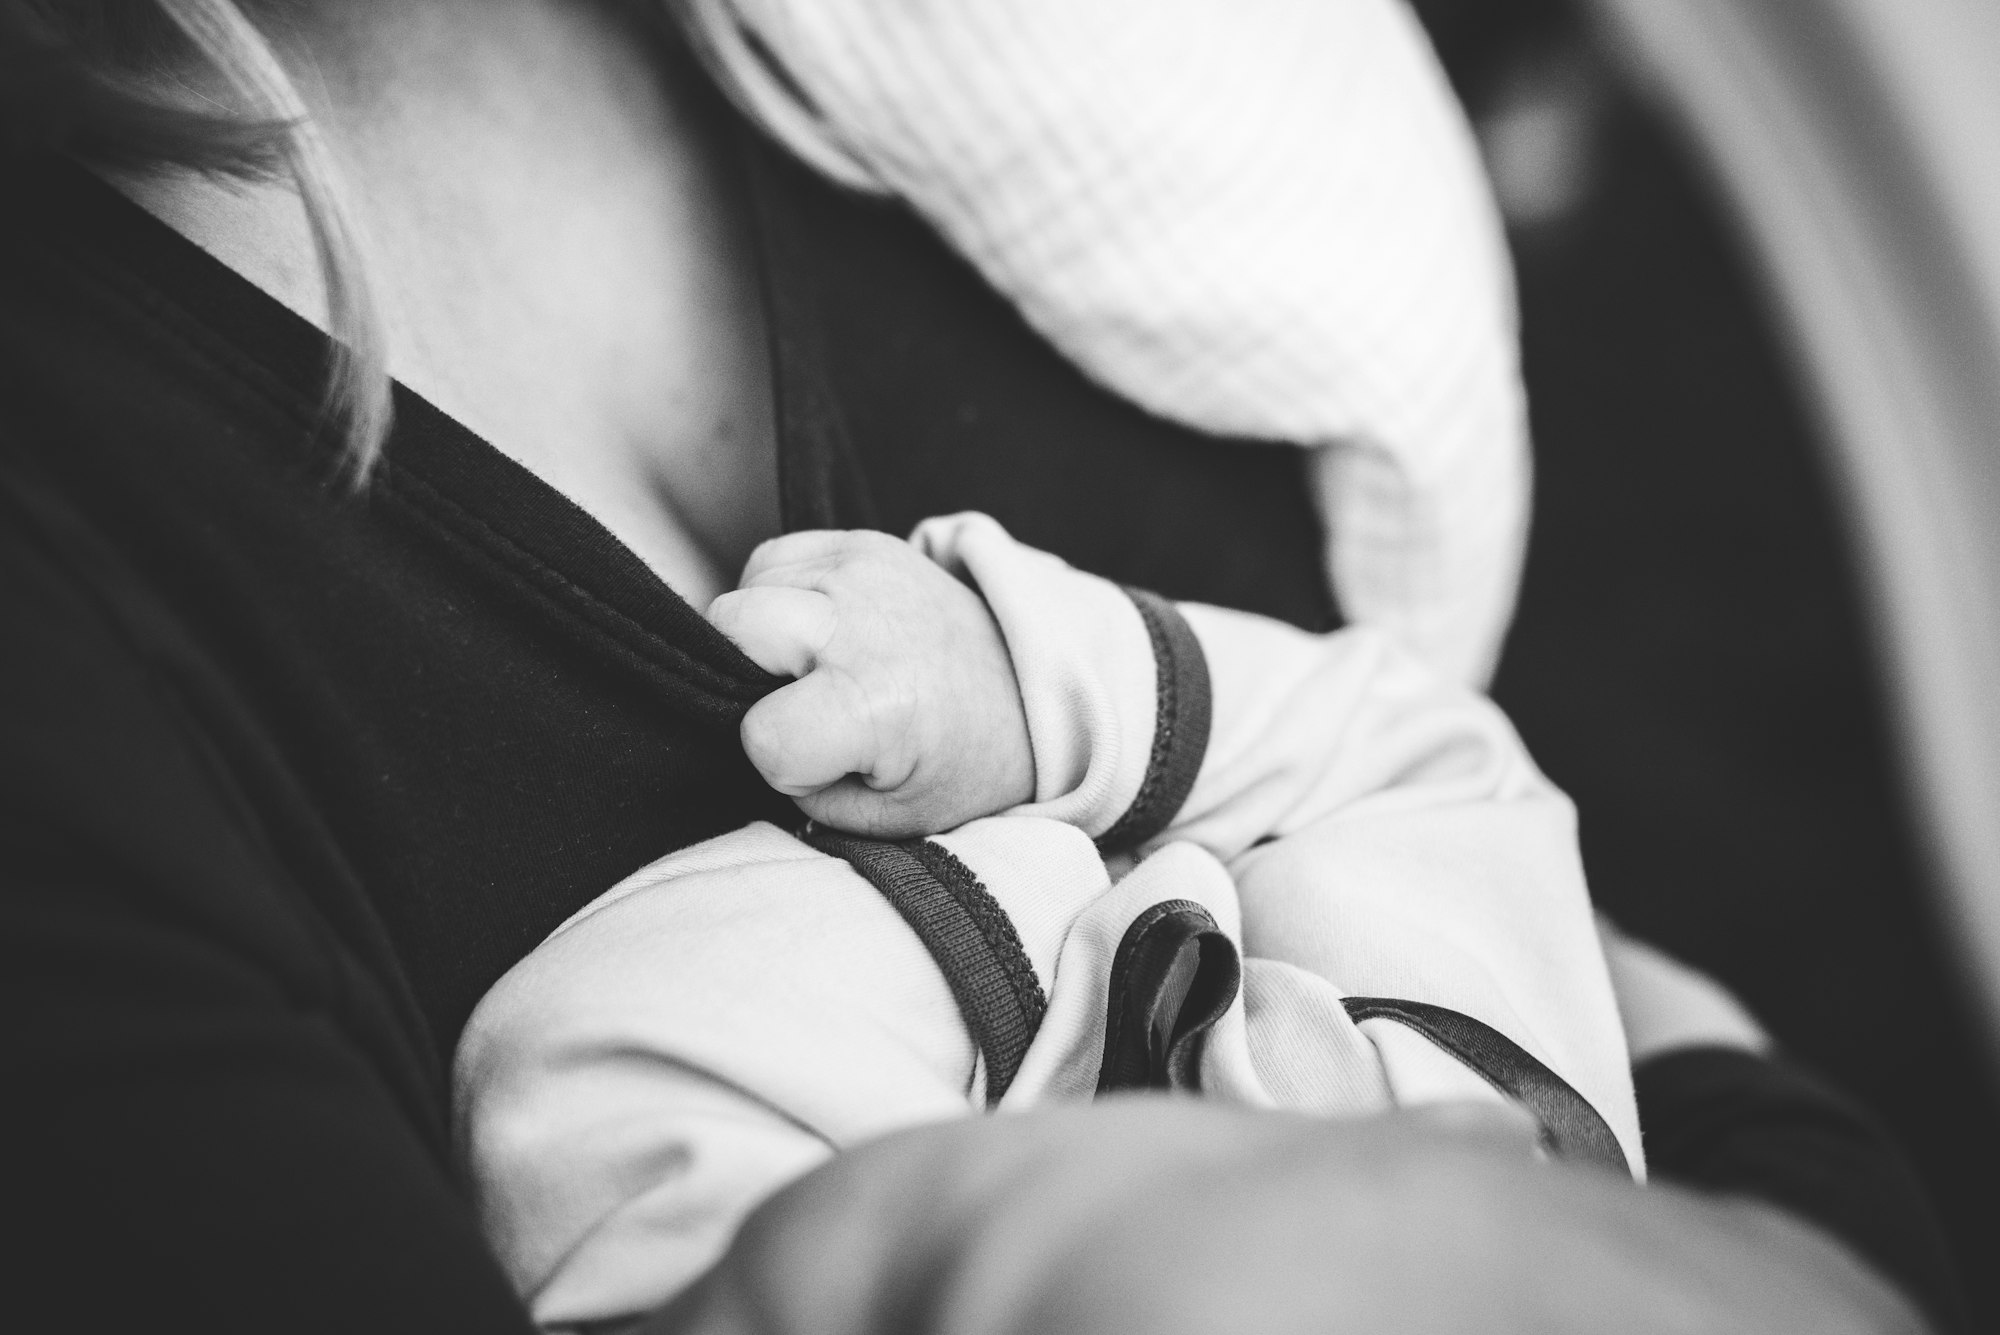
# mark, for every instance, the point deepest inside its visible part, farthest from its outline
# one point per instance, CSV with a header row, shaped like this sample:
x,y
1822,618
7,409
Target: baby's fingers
x,y
805,558
781,629
816,732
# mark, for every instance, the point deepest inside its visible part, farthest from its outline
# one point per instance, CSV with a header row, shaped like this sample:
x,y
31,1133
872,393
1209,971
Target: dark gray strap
x,y
966,932
1173,976
1180,724
1571,1128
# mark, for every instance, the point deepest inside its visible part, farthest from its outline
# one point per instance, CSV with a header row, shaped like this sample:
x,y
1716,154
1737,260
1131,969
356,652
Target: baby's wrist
x,y
1113,688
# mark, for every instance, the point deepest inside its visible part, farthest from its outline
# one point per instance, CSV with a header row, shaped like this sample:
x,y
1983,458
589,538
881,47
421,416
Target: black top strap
x,y
820,484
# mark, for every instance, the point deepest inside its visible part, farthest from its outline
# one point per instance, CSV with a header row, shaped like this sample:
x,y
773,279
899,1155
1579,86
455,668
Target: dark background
x,y
1690,660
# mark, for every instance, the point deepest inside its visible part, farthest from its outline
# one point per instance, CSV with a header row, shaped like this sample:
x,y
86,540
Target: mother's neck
x,y
556,243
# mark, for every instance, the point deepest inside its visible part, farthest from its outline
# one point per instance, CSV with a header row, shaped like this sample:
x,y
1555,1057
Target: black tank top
x,y
455,703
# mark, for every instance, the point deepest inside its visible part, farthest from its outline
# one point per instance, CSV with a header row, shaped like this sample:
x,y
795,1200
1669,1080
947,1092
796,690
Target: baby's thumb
x,y
813,733
852,806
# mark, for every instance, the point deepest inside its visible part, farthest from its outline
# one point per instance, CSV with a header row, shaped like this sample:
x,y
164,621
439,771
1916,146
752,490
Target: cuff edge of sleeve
x,y
1180,726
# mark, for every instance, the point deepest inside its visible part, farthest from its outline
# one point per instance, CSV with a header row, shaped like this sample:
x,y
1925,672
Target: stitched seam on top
x,y
652,647
397,480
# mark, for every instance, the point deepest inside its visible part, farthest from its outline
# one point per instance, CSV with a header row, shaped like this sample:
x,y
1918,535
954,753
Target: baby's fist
x,y
906,718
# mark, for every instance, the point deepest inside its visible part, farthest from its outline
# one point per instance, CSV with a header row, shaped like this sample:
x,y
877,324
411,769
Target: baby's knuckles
x,y
892,704
922,671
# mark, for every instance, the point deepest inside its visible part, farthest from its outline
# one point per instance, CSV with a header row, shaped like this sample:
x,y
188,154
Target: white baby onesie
x,y
1345,829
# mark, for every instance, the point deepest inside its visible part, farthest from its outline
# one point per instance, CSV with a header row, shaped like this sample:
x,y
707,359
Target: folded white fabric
x,y
1264,219
727,1018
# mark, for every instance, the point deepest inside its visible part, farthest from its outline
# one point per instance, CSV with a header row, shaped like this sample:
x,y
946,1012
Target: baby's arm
x,y
1386,829
1151,721
679,1049
726,1019
963,673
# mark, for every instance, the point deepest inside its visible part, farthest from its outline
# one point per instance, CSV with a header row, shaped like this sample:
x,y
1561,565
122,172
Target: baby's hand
x,y
906,718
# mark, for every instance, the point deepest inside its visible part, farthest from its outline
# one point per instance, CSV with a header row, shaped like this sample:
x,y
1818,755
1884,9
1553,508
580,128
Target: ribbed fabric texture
x,y
969,935
1180,726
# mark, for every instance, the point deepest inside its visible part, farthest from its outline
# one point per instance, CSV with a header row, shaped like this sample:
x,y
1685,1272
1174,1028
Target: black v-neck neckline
x,y
493,509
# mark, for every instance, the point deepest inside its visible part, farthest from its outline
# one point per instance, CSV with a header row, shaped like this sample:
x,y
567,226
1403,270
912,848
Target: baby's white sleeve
x,y
692,1040
1152,721
724,1020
